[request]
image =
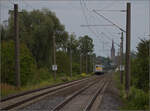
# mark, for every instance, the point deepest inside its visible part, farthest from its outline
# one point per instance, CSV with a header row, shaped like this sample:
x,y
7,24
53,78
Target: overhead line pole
x,y
17,47
121,44
80,63
93,63
128,34
54,54
86,57
70,57
121,59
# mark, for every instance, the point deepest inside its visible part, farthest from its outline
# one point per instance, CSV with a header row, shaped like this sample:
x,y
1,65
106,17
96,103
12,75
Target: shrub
x,y
62,61
40,75
76,67
83,75
137,100
140,66
27,63
65,79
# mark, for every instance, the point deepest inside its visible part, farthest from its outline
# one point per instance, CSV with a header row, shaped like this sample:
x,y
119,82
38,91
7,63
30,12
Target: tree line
x,y
138,98
140,66
36,31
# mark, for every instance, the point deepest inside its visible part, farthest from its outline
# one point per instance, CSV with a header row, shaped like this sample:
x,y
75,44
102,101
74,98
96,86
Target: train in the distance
x,y
98,69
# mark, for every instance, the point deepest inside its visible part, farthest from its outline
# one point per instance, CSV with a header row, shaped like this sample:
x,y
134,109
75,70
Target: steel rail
x,y
35,90
104,83
94,97
100,91
59,106
4,105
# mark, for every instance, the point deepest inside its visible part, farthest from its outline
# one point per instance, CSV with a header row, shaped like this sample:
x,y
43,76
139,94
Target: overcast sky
x,y
73,14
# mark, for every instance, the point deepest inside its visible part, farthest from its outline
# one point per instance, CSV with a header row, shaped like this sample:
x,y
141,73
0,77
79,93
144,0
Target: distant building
x,y
113,52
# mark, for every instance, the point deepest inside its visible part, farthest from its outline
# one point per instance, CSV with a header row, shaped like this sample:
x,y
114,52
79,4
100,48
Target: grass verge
x,y
137,99
8,90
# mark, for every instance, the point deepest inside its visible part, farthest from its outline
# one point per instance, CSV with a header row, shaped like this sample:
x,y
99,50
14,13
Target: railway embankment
x,y
137,99
10,90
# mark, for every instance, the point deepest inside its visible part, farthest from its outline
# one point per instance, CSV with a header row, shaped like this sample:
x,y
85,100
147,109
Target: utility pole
x,y
121,59
80,63
93,63
70,57
86,63
128,33
103,46
17,52
54,52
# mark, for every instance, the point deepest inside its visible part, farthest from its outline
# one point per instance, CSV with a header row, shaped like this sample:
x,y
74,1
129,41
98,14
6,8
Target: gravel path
x,y
111,100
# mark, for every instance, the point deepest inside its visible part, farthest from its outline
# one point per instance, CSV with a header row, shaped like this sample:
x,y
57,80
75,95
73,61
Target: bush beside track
x,y
137,100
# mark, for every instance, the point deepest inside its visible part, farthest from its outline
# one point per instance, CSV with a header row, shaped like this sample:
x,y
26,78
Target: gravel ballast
x,y
111,99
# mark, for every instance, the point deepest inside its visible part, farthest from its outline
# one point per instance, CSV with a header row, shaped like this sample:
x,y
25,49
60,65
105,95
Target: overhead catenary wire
x,y
90,29
97,18
92,16
96,30
112,10
110,38
109,21
87,19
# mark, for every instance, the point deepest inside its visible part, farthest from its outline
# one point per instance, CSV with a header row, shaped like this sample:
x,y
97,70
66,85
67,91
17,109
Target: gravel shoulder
x,y
111,100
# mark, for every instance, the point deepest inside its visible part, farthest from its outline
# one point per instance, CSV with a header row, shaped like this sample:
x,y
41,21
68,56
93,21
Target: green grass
x,y
137,99
7,89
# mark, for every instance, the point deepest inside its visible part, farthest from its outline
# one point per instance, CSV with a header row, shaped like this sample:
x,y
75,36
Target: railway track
x,y
91,87
86,99
26,98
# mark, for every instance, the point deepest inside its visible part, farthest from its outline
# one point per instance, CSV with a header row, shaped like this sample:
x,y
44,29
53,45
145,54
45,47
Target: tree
x,y
86,44
62,61
86,48
28,65
36,29
140,66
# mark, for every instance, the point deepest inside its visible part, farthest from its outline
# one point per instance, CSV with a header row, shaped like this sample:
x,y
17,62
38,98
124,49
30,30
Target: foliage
x,y
83,75
65,79
86,44
137,100
86,49
63,63
8,89
76,67
36,30
27,63
40,75
140,66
